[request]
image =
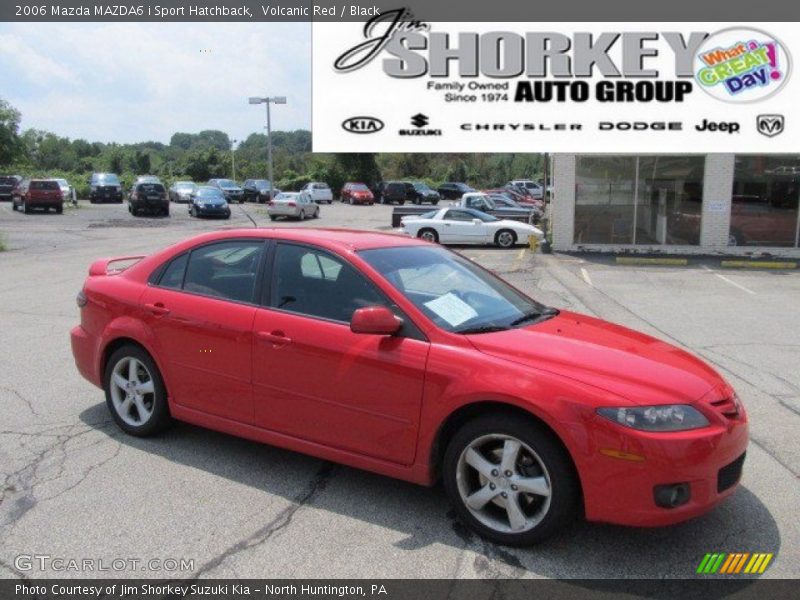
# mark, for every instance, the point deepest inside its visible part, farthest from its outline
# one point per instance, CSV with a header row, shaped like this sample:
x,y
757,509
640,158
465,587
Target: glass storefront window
x,y
765,201
639,200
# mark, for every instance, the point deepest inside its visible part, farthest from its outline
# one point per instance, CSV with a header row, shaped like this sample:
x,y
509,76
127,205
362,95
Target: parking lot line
x,y
586,278
726,280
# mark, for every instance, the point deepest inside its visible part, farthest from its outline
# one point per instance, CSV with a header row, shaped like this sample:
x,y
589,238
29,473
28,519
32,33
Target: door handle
x,y
157,309
275,337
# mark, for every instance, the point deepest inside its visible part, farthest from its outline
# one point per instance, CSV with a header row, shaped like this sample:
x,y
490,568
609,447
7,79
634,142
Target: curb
x,y
757,264
635,260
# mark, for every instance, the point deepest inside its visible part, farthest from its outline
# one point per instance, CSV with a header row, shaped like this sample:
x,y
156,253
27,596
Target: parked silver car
x,y
297,205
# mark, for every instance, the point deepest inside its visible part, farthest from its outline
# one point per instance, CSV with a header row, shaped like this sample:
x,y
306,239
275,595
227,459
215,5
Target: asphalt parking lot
x,y
75,487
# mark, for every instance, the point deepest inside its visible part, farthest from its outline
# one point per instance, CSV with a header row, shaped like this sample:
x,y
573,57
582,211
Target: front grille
x,y
726,406
730,474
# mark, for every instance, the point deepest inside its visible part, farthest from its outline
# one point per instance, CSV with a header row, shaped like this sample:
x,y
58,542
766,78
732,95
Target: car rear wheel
x,y
510,480
25,208
429,235
302,215
135,392
505,238
59,210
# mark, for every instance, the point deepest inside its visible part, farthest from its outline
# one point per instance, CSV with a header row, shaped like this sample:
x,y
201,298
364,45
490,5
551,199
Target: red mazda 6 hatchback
x,y
401,357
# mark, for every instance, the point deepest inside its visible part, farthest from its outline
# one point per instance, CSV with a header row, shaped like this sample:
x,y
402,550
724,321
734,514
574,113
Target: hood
x,y
638,367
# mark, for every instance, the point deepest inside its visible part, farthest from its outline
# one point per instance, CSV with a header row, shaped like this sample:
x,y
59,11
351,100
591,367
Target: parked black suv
x,y
257,190
400,192
150,197
105,187
231,191
454,190
7,185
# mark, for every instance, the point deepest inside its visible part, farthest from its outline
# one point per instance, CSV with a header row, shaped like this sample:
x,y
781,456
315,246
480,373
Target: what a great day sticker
x,y
742,65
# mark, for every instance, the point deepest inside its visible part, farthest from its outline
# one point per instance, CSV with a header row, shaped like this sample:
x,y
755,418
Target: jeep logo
x,y
362,124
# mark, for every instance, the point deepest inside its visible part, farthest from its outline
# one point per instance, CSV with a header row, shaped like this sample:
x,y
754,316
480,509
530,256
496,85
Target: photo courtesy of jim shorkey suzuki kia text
x,y
408,305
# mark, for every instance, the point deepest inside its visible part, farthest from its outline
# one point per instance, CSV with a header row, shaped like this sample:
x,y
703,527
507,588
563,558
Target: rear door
x,y
201,313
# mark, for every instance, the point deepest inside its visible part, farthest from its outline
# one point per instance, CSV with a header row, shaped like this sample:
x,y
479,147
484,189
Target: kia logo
x,y
362,124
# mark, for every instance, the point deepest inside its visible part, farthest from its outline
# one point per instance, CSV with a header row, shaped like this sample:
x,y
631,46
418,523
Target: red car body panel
x,y
379,402
352,192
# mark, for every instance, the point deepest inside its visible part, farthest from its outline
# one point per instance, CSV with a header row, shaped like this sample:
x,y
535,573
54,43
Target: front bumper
x,y
213,211
621,491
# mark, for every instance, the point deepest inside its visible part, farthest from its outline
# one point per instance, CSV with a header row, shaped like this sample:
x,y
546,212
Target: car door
x,y
200,311
459,228
315,379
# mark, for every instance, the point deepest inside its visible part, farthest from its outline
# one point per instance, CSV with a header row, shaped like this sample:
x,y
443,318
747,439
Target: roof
x,y
346,239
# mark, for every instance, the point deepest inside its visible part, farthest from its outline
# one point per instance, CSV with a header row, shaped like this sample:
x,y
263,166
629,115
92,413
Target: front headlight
x,y
669,417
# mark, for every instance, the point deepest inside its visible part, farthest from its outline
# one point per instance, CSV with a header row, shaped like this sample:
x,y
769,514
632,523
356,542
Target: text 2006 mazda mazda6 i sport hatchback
x,y
401,357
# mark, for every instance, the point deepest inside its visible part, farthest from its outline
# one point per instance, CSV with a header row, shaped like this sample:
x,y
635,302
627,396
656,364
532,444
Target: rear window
x,y
8,180
105,179
44,185
150,188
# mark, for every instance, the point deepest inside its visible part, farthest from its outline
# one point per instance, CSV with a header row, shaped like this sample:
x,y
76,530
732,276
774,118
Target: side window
x,y
173,275
458,215
225,270
315,283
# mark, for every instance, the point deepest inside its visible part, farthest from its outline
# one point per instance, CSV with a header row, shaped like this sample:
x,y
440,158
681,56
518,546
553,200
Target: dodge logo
x,y
362,124
770,125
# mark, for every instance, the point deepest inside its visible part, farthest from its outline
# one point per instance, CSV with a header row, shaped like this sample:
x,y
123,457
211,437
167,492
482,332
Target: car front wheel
x,y
510,480
505,238
429,235
135,392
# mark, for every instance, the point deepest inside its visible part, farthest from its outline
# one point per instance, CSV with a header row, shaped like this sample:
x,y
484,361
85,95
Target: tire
x,y
302,215
428,234
351,201
192,212
540,461
316,213
273,218
165,211
401,202
330,201
25,208
13,206
416,201
59,210
118,396
505,238
435,202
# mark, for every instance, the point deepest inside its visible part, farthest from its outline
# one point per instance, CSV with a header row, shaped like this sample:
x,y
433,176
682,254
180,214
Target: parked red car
x,y
356,193
37,193
398,356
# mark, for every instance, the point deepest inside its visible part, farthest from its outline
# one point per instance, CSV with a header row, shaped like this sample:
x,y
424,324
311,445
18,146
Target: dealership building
x,y
737,204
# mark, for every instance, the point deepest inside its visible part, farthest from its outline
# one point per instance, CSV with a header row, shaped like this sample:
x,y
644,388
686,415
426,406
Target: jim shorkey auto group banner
x,y
414,85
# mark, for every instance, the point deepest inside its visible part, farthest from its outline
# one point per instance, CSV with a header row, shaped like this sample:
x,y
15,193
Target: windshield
x,y
261,184
452,291
358,187
185,185
421,187
226,183
209,193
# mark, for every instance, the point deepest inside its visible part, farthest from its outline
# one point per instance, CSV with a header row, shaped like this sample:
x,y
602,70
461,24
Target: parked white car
x,y
468,226
294,205
320,192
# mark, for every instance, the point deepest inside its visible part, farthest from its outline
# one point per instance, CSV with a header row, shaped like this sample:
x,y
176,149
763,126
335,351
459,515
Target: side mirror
x,y
377,320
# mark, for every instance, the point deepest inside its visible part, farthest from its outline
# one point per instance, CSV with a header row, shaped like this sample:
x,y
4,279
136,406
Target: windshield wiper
x,y
482,329
534,316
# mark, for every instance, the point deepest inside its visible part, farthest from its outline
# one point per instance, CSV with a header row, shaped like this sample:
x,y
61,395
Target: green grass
x,y
3,246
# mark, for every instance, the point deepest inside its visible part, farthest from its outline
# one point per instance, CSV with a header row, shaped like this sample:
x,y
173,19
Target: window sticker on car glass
x,y
452,309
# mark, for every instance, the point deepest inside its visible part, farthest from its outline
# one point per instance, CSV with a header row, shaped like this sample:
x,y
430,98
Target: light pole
x,y
233,159
268,100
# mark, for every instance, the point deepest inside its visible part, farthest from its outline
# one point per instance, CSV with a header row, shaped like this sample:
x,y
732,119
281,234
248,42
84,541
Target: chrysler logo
x,y
362,124
770,125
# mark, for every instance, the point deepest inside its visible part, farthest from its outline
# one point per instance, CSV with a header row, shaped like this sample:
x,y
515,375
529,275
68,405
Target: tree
x,y
10,146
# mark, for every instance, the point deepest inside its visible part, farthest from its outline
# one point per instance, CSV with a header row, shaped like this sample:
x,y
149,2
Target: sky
x,y
135,82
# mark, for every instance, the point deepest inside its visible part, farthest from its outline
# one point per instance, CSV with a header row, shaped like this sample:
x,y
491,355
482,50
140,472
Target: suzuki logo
x,y
362,124
419,120
770,125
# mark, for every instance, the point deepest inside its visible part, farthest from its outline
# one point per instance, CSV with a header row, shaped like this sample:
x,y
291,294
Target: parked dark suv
x,y
38,193
7,185
454,190
229,189
105,187
400,192
257,190
149,197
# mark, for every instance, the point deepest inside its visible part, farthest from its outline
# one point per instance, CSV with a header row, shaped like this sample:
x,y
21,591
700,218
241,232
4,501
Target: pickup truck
x,y
476,200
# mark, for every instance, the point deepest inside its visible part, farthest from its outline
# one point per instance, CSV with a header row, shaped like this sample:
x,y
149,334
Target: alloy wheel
x,y
503,483
505,239
132,391
428,236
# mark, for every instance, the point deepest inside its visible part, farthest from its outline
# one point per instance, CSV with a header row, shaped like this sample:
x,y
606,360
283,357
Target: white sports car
x,y
467,226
